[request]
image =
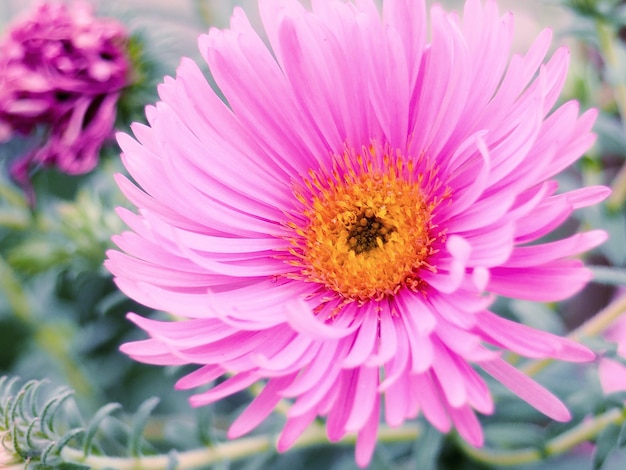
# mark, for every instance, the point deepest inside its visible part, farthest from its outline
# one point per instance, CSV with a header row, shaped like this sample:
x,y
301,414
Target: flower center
x,y
365,232
368,232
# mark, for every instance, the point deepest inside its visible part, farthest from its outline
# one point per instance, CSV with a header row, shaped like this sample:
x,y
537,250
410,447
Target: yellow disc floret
x,y
367,232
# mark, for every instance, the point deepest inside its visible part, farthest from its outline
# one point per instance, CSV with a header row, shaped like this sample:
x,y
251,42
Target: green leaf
x,y
621,439
30,431
205,421
27,398
16,405
7,399
139,423
49,409
94,424
34,394
35,255
46,452
67,438
610,134
15,437
616,399
605,444
427,448
70,466
514,435
613,248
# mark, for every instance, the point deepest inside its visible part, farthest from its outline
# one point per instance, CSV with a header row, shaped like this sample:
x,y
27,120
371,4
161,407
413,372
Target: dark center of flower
x,y
369,232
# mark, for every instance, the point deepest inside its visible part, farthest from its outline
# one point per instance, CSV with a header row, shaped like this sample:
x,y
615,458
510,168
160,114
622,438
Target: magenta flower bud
x,y
62,69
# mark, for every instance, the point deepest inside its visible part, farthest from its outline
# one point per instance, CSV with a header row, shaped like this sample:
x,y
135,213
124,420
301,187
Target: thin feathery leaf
x,y
139,423
49,409
94,424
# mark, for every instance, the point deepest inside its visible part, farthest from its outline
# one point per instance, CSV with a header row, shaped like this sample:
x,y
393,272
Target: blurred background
x,y
62,319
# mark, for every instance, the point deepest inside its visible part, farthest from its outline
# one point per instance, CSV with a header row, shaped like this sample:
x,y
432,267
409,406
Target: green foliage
x,y
606,10
146,74
29,429
605,444
427,449
64,234
36,431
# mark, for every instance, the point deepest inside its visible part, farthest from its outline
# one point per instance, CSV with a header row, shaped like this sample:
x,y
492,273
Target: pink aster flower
x,y
61,69
339,226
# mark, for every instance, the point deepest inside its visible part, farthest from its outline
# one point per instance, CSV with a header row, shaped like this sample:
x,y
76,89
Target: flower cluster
x,y
61,74
338,226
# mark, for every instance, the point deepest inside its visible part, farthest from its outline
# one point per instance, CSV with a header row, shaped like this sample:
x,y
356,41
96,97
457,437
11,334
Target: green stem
x,y
243,448
560,444
233,450
316,435
601,321
592,327
611,276
608,49
15,295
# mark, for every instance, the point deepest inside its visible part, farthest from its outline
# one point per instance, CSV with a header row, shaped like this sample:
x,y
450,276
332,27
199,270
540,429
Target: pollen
x,y
366,229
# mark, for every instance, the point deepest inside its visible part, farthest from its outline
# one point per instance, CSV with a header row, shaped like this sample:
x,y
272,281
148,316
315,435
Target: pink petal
x,y
366,439
364,340
467,424
294,427
548,252
202,376
301,319
260,408
228,387
612,376
430,401
365,399
550,282
527,389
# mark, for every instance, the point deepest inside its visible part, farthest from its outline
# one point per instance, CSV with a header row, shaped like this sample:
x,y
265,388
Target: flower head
x,y
61,69
339,226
